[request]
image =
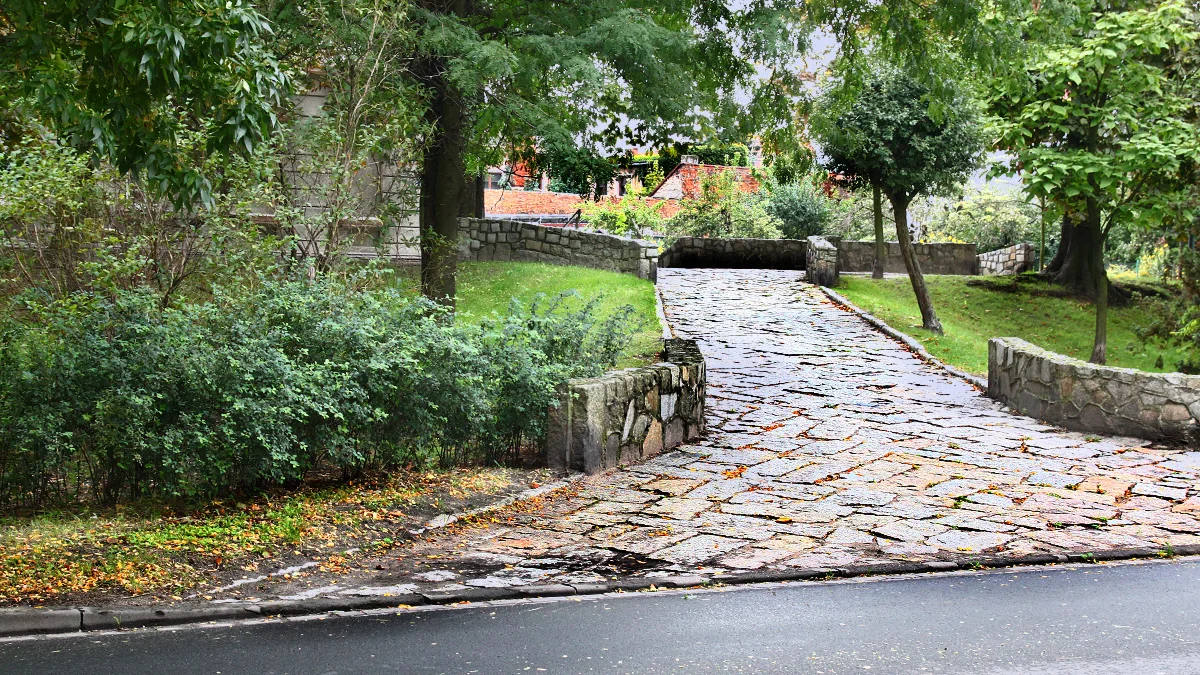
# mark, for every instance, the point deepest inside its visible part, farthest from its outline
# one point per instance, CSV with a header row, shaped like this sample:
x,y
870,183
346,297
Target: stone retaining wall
x,y
859,256
1086,397
1013,259
628,416
491,239
775,254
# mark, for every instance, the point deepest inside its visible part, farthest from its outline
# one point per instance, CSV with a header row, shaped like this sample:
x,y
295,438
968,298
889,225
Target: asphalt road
x,y
1129,619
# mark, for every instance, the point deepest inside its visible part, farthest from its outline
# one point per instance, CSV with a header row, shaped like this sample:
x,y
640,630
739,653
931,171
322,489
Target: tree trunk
x,y
928,316
443,187
880,244
1079,263
1099,282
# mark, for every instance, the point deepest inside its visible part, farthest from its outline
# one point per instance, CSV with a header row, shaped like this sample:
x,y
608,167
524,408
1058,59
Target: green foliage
x,y
354,52
128,80
539,78
887,135
793,166
721,154
1176,320
982,216
117,397
66,226
628,216
802,209
723,210
1101,112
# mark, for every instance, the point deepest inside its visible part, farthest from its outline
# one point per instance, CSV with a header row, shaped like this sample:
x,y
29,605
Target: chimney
x,y
689,159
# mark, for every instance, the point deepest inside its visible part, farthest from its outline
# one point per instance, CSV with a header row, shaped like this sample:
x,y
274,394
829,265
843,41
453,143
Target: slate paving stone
x,y
956,487
910,530
968,542
829,445
680,508
1152,490
699,548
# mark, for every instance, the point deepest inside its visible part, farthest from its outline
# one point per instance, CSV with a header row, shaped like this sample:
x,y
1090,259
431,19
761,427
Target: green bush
x,y
985,217
723,210
801,209
626,217
112,396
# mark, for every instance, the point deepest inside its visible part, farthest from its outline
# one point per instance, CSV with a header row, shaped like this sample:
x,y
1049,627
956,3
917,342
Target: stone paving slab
x,y
830,446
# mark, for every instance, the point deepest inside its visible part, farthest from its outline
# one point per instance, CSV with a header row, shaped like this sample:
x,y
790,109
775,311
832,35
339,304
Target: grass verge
x,y
486,287
153,550
975,309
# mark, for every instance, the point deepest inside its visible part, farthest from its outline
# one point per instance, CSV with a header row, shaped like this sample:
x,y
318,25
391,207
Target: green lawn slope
x,y
486,287
974,309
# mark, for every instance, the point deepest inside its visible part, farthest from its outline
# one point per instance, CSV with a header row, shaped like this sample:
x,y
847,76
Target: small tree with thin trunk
x,y
891,132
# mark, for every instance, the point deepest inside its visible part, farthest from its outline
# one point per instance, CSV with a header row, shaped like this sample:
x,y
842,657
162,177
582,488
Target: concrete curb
x,y
20,622
915,346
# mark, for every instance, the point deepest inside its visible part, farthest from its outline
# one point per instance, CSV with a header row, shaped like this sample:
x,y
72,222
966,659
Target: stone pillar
x,y
822,258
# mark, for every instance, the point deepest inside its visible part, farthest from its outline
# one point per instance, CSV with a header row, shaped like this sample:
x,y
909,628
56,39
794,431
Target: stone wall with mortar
x,y
492,239
1013,259
859,256
775,254
628,416
1085,397
822,267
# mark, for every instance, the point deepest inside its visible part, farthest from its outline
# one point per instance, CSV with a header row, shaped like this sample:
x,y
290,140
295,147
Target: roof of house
x,y
684,180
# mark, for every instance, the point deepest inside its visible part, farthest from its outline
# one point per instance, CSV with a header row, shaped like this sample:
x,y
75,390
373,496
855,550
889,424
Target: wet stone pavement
x,y
829,447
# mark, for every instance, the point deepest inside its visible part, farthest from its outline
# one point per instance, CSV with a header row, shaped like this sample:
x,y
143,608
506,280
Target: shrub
x,y
723,210
114,397
801,209
628,216
989,219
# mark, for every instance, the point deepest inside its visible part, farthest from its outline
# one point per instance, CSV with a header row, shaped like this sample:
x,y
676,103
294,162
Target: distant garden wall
x,y
1013,259
776,254
492,239
859,256
628,416
1090,398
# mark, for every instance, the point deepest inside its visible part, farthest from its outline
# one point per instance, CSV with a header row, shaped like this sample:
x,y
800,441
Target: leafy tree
x,y
723,210
983,216
127,80
548,80
1101,120
355,53
888,137
801,208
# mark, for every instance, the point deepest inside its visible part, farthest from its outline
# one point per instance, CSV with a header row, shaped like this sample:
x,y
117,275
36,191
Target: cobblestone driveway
x,y
829,446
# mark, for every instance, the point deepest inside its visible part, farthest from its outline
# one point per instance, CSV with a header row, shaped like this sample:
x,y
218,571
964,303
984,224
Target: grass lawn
x,y
486,287
974,309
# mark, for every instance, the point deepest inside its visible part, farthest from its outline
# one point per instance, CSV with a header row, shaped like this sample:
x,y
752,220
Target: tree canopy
x,y
130,80
1100,119
888,135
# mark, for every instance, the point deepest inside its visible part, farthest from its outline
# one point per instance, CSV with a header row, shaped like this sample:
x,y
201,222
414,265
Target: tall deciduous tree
x,y
567,80
1102,123
128,79
886,134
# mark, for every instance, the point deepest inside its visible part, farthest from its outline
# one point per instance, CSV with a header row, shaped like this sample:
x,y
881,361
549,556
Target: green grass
x,y
974,309
486,287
